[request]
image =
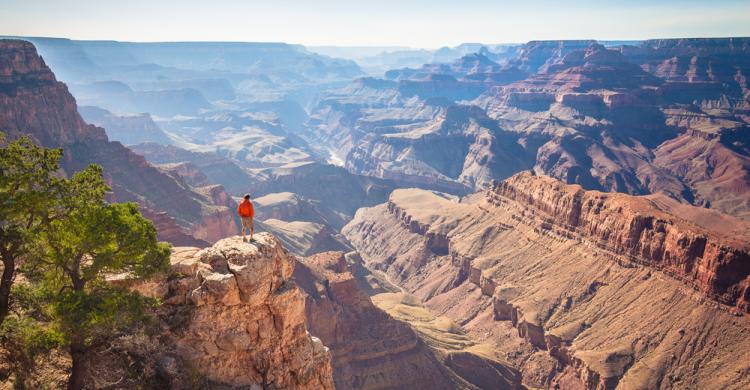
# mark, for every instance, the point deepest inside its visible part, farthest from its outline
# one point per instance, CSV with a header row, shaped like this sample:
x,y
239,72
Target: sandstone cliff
x,y
577,289
373,350
232,315
704,248
243,314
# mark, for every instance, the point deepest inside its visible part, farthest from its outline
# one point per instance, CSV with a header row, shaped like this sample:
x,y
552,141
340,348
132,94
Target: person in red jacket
x,y
246,213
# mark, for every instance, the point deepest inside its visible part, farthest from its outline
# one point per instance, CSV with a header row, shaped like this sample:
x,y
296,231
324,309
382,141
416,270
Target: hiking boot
x,y
244,239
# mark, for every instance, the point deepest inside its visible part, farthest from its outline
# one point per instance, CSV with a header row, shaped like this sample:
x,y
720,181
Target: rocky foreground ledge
x,y
237,315
231,315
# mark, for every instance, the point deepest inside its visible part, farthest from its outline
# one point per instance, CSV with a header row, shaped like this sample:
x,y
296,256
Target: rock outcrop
x,y
578,289
243,314
168,230
233,316
580,116
536,56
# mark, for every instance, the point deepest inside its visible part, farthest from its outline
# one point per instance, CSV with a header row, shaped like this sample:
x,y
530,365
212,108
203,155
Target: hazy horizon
x,y
413,24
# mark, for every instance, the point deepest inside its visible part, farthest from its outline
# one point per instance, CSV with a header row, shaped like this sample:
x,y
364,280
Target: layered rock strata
x,y
716,263
579,289
662,116
353,311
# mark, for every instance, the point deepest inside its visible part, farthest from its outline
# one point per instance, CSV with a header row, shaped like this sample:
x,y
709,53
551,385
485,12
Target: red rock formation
x,y
586,114
711,72
594,70
711,156
538,55
716,263
191,174
246,322
579,289
169,231
219,218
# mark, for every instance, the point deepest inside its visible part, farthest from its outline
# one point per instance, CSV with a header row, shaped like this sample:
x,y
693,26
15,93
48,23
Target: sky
x,y
412,23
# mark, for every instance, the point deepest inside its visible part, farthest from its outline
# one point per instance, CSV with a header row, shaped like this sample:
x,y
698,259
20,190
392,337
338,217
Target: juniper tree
x,y
28,189
78,251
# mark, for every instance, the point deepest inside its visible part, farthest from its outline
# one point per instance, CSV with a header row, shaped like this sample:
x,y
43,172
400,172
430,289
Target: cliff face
x,y
712,158
26,81
369,348
535,56
232,315
652,118
577,289
716,263
373,348
692,60
34,103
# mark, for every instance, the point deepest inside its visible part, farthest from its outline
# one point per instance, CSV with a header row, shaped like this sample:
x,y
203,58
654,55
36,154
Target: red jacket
x,y
245,209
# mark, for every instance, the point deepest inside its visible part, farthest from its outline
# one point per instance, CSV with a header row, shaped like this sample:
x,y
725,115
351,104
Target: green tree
x,y
28,333
78,251
28,189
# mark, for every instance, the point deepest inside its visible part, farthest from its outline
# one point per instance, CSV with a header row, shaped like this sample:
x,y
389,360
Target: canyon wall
x,y
663,116
245,314
360,317
370,350
715,262
578,289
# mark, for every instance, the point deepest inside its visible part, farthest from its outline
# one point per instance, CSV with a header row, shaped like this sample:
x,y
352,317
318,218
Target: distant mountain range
x,y
376,60
667,116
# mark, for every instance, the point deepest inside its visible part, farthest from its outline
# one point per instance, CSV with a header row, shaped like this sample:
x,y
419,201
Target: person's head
x,y
247,196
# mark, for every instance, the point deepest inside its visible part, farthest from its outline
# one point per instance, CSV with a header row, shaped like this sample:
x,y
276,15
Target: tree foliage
x,y
28,188
71,242
95,238
78,252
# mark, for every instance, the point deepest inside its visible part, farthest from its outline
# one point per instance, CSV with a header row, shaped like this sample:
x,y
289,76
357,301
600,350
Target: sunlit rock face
x,y
598,120
249,313
234,317
581,289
